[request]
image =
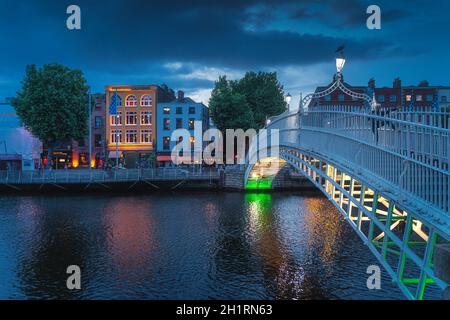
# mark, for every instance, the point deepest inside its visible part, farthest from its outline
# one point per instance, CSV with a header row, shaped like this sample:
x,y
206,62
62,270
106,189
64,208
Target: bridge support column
x,y
442,265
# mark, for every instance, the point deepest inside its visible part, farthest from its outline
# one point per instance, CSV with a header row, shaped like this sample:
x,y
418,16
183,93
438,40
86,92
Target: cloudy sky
x,y
188,44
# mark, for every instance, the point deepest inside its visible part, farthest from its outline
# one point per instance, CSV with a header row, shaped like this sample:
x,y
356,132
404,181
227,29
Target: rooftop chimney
x,y
397,83
180,95
372,83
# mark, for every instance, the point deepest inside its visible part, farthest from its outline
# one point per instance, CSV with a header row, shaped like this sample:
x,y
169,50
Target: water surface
x,y
182,246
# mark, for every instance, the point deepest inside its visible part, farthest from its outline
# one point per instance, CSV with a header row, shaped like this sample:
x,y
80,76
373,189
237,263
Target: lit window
x,y
131,118
146,118
166,110
116,134
419,97
408,97
131,136
166,143
146,136
146,101
166,124
116,120
131,101
191,124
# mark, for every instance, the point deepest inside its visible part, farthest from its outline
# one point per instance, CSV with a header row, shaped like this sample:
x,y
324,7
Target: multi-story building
x,y
19,149
80,149
131,134
422,96
181,113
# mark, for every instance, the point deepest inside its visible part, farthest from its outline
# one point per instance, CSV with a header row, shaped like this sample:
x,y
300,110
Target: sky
x,y
189,44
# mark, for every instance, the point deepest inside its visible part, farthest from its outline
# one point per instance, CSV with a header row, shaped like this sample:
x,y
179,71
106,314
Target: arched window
x,y
131,101
146,101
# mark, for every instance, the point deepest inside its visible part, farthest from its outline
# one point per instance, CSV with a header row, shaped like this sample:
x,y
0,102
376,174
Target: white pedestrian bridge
x,y
387,171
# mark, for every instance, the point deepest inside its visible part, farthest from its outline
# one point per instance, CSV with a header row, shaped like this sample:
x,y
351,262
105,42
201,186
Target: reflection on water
x,y
182,246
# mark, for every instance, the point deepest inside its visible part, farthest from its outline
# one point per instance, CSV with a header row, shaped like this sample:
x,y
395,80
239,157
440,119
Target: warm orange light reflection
x,y
130,230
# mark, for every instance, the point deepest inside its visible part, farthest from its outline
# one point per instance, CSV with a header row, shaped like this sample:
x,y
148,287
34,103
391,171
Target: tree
x,y
52,104
246,103
263,93
229,109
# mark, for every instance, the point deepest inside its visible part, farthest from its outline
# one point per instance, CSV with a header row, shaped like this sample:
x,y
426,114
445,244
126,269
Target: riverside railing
x,y
105,176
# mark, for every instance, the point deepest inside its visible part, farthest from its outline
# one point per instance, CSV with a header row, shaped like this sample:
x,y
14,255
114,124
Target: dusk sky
x,y
188,44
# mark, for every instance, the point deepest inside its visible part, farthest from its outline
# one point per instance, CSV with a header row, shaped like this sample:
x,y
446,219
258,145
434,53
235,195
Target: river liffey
x,y
183,246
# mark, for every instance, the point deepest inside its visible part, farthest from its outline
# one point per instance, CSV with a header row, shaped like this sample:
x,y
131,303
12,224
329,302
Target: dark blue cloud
x,y
131,41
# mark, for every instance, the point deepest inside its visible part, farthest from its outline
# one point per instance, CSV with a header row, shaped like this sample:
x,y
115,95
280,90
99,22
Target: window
x,y
131,136
146,118
393,98
131,118
191,124
166,110
98,122
408,97
191,110
430,97
179,124
116,120
419,97
166,143
179,110
146,101
114,134
192,141
341,97
146,136
98,140
328,97
381,98
444,99
166,124
131,101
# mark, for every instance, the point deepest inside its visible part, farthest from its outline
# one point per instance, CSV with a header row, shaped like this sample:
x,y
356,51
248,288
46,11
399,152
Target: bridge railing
x,y
411,155
104,176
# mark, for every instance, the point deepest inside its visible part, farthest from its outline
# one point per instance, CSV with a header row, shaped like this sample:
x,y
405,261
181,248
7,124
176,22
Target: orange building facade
x,y
135,122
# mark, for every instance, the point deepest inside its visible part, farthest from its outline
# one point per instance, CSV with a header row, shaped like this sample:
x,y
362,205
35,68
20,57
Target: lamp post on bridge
x,y
288,100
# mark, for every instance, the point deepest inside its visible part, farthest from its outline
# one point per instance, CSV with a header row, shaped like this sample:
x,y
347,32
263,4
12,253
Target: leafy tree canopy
x,y
52,103
259,95
229,109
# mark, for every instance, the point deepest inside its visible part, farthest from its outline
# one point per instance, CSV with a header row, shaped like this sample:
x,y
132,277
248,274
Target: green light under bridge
x,y
259,184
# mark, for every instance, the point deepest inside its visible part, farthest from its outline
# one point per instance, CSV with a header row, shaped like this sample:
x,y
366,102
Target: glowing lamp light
x,y
340,62
288,98
75,163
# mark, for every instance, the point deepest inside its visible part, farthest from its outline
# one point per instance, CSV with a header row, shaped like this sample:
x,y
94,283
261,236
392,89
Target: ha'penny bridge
x,y
387,172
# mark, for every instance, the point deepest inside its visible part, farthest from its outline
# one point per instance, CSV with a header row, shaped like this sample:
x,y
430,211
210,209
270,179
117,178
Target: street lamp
x,y
288,100
340,62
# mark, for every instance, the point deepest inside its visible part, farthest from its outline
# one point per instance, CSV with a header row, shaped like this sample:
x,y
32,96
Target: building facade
x,y
80,149
131,134
19,149
181,113
422,96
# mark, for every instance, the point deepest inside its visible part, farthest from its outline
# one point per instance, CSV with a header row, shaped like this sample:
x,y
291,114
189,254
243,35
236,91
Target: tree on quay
x,y
248,102
52,104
